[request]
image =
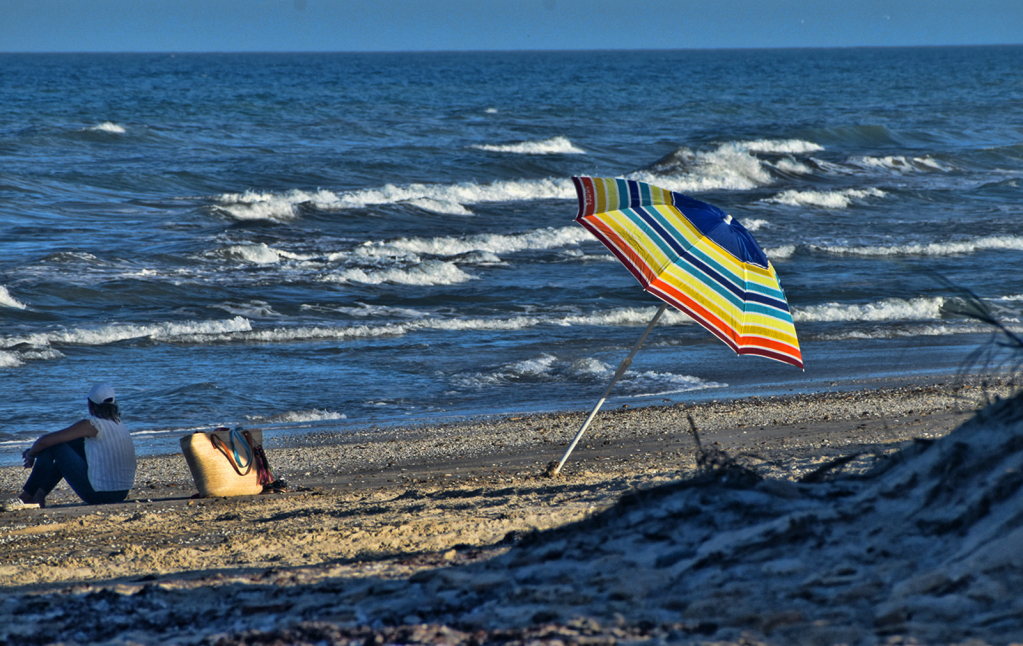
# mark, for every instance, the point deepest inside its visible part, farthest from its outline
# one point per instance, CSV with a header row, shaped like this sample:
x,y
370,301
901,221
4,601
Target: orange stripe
x,y
700,314
771,344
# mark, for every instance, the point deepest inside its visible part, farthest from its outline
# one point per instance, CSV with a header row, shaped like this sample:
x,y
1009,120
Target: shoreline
x,y
403,502
779,436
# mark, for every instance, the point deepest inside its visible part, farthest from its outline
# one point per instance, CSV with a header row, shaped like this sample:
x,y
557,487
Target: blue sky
x,y
430,25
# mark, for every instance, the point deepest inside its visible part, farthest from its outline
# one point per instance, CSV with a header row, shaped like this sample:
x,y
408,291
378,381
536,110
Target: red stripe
x,y
699,314
624,252
706,318
784,358
587,192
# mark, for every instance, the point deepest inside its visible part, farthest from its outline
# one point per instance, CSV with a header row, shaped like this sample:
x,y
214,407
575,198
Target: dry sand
x,y
371,517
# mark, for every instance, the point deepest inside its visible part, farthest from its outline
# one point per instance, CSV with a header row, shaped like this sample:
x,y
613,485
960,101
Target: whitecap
x,y
257,254
548,368
729,167
912,331
793,167
891,309
654,384
6,300
291,417
900,164
282,206
430,272
113,333
998,243
779,146
552,146
10,360
439,206
755,225
496,243
824,199
783,252
253,205
109,126
250,309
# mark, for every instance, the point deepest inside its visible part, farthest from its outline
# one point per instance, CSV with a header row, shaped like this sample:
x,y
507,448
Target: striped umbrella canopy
x,y
695,257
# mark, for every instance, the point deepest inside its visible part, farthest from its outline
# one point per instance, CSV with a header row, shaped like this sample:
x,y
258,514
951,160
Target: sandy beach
x,y
381,512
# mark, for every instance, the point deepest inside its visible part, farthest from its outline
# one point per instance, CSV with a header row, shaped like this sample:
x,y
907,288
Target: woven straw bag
x,y
226,462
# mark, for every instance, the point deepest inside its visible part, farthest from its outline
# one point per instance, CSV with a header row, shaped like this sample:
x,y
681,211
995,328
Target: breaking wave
x,y
755,225
292,417
779,146
823,199
496,243
430,272
6,300
548,368
729,167
122,332
443,198
258,254
252,205
1007,242
553,146
108,126
9,360
900,164
911,331
891,309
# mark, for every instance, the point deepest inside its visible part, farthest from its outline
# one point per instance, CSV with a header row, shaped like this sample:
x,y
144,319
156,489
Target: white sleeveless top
x,y
111,456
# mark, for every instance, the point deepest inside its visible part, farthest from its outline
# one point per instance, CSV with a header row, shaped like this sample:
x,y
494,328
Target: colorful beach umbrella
x,y
695,257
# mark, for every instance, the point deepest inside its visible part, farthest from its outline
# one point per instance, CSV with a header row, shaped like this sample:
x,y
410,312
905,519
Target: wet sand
x,y
394,503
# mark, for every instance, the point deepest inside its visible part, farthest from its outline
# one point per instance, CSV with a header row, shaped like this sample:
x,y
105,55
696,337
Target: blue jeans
x,y
67,462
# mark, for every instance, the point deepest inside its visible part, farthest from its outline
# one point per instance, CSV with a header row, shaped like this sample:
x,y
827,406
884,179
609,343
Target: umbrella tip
x,y
728,219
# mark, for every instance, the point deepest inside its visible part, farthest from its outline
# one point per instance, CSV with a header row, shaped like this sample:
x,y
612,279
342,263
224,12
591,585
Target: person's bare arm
x,y
83,428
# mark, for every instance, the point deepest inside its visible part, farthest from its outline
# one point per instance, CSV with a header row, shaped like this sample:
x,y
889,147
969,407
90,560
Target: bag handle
x,y
243,442
232,455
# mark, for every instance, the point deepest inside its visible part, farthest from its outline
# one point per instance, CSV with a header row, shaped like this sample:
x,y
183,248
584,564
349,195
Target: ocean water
x,y
309,241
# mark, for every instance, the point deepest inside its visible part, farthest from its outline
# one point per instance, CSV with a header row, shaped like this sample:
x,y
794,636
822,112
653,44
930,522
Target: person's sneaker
x,y
16,504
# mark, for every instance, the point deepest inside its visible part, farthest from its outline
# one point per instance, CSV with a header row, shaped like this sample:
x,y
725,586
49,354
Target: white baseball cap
x,y
102,393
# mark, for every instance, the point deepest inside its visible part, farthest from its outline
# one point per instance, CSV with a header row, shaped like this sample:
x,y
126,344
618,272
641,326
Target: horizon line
x,y
514,51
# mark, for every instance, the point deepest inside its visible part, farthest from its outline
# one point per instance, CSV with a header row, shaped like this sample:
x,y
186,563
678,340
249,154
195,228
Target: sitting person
x,y
96,456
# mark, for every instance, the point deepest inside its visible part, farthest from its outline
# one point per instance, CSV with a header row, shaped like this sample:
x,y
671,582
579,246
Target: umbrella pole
x,y
618,374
